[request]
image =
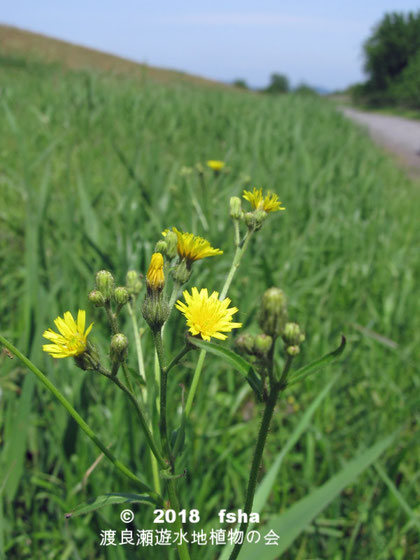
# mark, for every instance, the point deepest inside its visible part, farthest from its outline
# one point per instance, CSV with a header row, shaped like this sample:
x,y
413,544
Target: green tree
x,y
395,40
279,83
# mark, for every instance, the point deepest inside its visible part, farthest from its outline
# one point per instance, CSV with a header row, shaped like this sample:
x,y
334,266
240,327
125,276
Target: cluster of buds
x,y
168,246
293,338
105,291
272,318
257,345
155,307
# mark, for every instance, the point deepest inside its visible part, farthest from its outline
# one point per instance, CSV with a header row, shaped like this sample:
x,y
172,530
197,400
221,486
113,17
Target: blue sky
x,y
316,42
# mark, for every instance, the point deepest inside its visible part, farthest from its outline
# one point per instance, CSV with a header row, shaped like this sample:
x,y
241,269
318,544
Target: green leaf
x,y
232,358
109,500
290,524
317,364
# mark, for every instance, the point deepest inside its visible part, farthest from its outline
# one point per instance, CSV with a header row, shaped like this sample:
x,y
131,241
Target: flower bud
x,y
171,240
262,344
121,295
245,343
273,312
105,284
160,247
96,297
292,334
235,208
134,284
181,272
155,310
293,350
260,217
119,345
250,219
155,278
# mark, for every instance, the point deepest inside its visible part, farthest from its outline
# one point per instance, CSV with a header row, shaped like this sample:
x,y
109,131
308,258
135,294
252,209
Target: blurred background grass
x,y
90,174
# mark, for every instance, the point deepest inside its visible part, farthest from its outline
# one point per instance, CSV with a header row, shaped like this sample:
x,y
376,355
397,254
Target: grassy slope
x,y
14,41
89,177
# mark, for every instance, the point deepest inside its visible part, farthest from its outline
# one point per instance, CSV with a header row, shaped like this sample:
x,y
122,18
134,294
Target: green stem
x,y
240,250
191,394
173,498
141,415
137,341
174,295
275,388
256,461
83,425
194,384
112,318
163,427
178,357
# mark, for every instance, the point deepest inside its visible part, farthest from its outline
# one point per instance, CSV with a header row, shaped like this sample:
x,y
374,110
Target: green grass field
x,y
90,174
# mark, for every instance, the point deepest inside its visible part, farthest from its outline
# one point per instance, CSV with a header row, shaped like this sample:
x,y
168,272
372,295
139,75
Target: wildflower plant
x,y
208,317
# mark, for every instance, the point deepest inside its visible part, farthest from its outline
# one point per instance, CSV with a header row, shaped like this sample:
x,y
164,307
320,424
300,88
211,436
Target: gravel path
x,y
398,135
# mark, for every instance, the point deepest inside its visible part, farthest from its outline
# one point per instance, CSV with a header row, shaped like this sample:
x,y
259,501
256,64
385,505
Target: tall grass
x,y
89,177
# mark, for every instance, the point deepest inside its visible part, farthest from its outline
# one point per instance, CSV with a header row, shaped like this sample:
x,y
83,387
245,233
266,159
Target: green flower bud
x,y
260,217
250,219
235,208
96,297
121,295
155,310
134,284
161,247
292,334
245,343
293,350
262,345
119,345
105,284
181,272
272,315
171,240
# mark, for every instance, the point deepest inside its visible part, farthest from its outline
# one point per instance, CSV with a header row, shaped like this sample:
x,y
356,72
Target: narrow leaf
x,y
232,358
316,365
108,500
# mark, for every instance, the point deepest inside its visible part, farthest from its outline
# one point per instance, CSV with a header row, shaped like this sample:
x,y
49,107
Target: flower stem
x,y
140,414
173,498
275,388
163,427
256,461
240,250
83,425
137,341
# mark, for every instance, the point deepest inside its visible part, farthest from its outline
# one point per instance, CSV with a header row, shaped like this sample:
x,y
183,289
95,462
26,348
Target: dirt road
x,y
398,135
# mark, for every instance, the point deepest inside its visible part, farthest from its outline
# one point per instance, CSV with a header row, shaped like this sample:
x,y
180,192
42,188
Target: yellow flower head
x,y
155,277
72,340
192,247
268,203
215,164
207,315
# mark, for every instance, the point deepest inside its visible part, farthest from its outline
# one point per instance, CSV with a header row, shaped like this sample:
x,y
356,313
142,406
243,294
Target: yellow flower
x,y
268,203
155,277
207,315
215,164
192,247
72,340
